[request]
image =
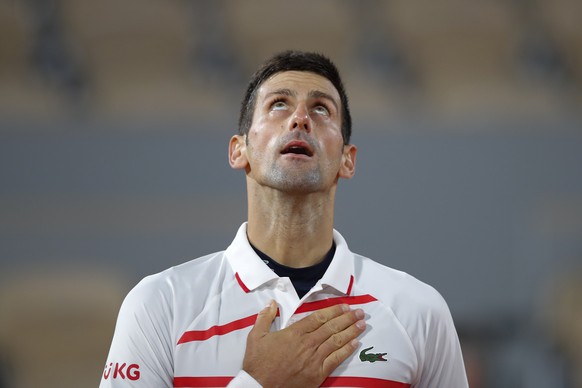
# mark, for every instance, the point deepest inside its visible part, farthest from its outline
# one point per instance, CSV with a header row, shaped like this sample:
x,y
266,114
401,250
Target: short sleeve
x,y
442,360
141,350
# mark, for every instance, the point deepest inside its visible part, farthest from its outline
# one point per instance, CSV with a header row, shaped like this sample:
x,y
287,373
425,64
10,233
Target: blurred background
x,y
114,123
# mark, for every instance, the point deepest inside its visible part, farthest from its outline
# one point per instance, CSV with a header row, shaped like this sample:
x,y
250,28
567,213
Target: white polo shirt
x,y
187,326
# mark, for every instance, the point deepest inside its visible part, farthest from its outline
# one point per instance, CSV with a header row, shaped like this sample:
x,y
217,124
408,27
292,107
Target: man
x,y
332,317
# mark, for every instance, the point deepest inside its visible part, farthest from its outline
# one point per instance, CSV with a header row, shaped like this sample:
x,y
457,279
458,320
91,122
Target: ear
x,y
237,155
348,166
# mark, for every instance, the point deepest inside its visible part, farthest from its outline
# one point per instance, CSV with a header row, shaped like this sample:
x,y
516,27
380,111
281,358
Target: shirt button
x,y
281,287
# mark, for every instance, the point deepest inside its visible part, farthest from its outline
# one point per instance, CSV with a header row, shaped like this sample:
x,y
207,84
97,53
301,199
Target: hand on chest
x,y
214,342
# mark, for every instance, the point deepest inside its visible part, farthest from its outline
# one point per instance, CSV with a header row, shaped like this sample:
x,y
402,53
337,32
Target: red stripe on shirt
x,y
320,304
349,291
241,284
362,382
222,381
216,381
202,335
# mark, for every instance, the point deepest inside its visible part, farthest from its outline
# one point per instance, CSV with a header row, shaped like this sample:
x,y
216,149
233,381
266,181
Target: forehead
x,y
302,82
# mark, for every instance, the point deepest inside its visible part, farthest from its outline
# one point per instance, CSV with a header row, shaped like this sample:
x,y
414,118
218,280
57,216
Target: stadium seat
x,y
465,53
56,327
137,56
23,94
259,29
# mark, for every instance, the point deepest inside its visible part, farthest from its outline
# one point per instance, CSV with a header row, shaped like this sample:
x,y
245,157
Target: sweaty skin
x,y
293,157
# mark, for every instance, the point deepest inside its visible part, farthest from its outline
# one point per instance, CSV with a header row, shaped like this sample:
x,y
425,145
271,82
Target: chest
x,y
213,342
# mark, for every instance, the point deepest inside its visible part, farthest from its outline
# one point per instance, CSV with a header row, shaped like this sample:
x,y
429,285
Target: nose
x,y
300,119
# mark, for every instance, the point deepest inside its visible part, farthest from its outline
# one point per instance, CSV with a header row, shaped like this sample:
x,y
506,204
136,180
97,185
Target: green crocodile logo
x,y
372,357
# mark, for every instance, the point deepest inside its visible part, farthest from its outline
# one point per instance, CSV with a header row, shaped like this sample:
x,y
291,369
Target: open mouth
x,y
297,149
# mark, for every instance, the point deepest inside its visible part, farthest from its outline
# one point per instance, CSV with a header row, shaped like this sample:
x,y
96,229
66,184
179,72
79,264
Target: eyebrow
x,y
311,94
281,92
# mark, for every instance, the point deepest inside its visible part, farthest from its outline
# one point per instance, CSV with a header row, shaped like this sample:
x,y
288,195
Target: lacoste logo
x,y
372,357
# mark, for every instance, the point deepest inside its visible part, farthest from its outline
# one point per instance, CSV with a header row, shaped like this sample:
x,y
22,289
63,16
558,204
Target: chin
x,y
298,186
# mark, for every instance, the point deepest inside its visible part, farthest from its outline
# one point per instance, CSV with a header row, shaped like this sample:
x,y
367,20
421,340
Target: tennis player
x,y
287,304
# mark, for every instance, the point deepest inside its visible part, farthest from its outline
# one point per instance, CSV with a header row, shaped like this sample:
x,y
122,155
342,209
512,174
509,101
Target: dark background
x,y
114,124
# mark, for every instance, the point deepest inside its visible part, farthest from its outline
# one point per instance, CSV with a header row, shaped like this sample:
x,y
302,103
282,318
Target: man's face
x,y
295,142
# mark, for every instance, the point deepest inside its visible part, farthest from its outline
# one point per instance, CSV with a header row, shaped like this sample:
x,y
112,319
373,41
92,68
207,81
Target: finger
x,y
315,320
334,359
337,325
340,339
264,320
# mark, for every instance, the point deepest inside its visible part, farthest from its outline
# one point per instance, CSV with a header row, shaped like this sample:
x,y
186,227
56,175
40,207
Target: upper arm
x,y
141,350
442,360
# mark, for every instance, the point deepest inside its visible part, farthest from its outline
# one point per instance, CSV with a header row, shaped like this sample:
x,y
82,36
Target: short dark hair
x,y
294,61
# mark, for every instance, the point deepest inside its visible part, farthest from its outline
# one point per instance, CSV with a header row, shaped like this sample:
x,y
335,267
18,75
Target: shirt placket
x,y
287,299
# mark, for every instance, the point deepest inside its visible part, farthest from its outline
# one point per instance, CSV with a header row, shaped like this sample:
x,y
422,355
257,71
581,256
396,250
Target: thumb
x,y
265,319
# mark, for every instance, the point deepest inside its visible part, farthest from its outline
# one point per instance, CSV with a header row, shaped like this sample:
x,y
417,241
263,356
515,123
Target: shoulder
x,y
167,287
404,294
423,315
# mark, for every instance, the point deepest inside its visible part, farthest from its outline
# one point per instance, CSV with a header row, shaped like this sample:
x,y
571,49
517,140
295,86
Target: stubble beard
x,y
289,176
287,179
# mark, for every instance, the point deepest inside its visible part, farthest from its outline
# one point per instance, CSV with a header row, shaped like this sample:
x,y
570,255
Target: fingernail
x,y
360,314
361,325
355,343
345,308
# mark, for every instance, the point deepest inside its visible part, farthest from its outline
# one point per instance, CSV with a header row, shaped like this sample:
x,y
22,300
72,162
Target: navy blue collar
x,y
303,279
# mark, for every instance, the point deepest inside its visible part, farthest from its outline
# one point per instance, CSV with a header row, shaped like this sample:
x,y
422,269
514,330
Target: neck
x,y
294,230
